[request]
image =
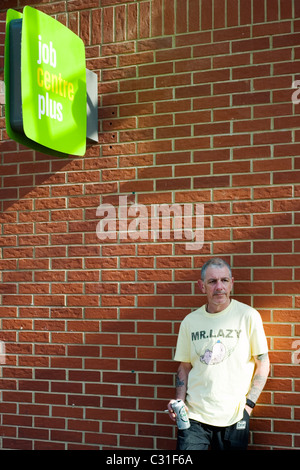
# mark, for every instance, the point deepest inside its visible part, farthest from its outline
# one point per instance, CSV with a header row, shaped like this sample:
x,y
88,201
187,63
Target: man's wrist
x,y
250,403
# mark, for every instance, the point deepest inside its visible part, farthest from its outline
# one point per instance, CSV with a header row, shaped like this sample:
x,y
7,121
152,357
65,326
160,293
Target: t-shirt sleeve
x,y
182,353
258,340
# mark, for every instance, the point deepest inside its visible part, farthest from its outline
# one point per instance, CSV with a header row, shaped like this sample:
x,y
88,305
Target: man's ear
x,y
201,286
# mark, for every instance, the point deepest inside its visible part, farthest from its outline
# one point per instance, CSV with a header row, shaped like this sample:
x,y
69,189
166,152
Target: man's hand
x,y
248,409
171,412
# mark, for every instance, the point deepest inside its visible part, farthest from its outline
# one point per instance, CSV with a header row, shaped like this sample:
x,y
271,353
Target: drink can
x,y
182,418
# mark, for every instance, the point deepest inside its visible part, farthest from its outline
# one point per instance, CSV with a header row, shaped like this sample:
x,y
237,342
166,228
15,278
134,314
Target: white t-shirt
x,y
220,348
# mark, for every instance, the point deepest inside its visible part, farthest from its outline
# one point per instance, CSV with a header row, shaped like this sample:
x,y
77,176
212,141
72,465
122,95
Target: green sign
x,y
53,84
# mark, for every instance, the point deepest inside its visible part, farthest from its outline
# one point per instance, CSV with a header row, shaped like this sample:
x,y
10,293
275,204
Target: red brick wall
x,y
195,106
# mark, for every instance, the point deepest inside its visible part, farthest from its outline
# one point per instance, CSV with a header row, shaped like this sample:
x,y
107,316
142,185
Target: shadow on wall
x,y
27,169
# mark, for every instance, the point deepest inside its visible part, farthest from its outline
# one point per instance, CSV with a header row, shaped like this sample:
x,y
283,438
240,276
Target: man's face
x,y
217,286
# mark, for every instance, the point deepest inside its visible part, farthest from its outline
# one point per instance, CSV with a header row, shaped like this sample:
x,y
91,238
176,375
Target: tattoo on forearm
x,y
179,382
258,381
257,386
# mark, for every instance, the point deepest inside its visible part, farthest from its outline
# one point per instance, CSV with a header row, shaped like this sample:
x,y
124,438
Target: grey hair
x,y
216,262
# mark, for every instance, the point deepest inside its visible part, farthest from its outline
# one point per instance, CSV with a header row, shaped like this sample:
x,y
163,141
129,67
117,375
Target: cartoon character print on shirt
x,y
214,356
212,352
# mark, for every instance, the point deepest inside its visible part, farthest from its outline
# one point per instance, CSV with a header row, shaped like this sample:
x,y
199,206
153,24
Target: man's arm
x,y
181,385
262,369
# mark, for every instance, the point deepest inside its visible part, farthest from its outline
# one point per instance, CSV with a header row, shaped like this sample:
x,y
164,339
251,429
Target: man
x,y
224,365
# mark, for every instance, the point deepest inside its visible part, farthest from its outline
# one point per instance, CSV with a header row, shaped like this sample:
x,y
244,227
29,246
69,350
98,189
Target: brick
x,y
192,91
175,54
211,76
231,167
179,183
211,181
192,117
189,170
231,113
211,129
192,65
132,14
171,106
231,60
155,69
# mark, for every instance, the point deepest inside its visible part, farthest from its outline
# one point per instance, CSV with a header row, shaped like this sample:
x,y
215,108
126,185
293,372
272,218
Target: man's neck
x,y
216,308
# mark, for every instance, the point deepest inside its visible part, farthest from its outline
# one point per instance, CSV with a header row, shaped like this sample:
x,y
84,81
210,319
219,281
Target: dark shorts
x,y
201,436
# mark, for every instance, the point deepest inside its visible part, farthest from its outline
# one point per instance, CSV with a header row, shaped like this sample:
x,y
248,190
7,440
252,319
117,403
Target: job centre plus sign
x,y
51,81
